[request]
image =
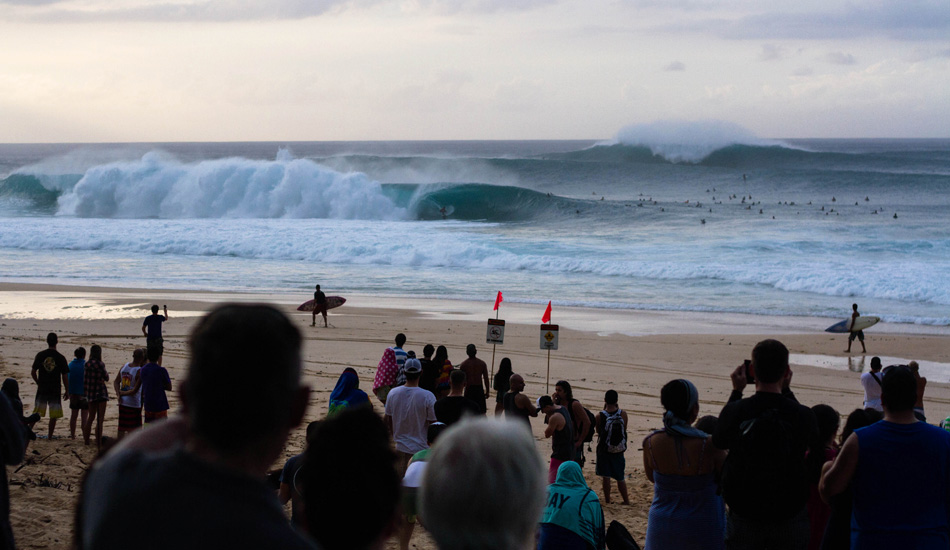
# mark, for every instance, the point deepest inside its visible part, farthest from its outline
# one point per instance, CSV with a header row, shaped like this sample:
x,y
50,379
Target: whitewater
x,y
662,217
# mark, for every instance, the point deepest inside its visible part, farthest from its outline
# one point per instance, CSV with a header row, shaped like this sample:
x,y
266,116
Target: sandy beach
x,y
632,352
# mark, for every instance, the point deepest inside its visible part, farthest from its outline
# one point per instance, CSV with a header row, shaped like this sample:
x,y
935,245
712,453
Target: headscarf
x,y
571,504
346,393
676,426
386,371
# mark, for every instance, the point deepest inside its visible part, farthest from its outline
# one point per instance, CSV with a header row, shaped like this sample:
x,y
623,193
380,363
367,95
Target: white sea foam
x,y
683,141
157,186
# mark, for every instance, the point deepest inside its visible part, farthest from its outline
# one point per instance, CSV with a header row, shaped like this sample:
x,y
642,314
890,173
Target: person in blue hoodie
x,y
78,406
572,517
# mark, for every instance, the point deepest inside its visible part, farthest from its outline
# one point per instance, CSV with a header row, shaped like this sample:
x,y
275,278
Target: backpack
x,y
590,417
618,538
615,436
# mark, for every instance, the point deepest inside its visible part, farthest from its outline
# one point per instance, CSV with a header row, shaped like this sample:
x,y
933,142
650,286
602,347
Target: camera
x,y
749,372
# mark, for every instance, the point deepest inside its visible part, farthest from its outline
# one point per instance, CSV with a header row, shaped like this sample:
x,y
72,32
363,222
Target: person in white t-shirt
x,y
409,411
128,386
871,381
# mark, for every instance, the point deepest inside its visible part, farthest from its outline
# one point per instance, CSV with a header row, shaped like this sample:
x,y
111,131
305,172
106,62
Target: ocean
x,y
696,224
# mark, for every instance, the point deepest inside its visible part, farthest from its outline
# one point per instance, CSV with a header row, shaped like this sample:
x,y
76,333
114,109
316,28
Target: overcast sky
x,y
235,70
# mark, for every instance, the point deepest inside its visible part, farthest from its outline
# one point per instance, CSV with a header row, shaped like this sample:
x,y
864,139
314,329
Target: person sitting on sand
x,y
346,393
489,467
202,473
517,405
350,484
152,329
155,382
451,408
476,372
11,389
899,472
319,306
852,334
684,466
572,517
78,405
128,389
871,382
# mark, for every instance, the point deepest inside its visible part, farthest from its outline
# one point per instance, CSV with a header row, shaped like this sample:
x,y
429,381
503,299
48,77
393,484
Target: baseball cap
x,y
413,366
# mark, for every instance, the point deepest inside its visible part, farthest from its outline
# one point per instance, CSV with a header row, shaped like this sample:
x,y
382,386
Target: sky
x,y
289,70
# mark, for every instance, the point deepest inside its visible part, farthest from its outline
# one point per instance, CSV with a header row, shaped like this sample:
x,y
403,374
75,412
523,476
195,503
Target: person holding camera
x,y
764,479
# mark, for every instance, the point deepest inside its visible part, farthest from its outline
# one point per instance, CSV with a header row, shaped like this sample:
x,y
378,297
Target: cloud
x,y
225,11
803,71
675,66
771,52
841,58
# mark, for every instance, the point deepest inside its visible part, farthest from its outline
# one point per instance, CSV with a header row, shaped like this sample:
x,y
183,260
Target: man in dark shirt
x,y
452,407
561,431
155,382
152,329
319,306
202,474
50,372
764,478
517,404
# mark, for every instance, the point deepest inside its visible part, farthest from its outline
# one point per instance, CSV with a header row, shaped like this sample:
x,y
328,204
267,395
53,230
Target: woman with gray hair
x,y
484,487
684,467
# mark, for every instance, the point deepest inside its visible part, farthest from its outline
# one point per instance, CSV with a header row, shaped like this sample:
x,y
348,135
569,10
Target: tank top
x,y
562,442
512,411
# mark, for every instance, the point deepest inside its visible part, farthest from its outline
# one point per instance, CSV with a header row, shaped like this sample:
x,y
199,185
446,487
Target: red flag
x,y
546,318
498,301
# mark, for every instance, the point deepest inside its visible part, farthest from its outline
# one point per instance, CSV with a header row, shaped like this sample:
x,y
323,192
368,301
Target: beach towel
x,y
386,371
346,393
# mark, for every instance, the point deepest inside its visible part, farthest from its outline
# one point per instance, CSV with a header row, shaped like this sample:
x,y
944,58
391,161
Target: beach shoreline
x,y
633,352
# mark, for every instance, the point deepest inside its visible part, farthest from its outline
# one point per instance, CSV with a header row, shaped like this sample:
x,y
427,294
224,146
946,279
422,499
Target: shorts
x,y
130,418
155,416
859,335
476,394
156,343
382,393
54,404
610,465
78,402
410,503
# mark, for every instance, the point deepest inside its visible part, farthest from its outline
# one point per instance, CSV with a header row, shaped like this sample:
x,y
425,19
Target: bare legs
x,y
621,486
97,412
83,414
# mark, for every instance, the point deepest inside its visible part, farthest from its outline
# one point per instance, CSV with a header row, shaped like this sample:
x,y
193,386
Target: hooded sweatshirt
x,y
572,505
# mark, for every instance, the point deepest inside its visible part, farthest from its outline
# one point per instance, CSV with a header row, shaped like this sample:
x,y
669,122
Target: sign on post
x,y
549,337
496,332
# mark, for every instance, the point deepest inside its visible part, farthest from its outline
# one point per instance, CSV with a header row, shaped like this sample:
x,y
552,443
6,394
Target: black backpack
x,y
590,417
618,538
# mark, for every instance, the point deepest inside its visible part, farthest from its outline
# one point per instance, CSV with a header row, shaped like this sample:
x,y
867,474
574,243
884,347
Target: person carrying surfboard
x,y
859,334
320,306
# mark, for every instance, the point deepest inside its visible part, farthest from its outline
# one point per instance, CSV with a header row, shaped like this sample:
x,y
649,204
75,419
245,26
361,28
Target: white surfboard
x,y
861,323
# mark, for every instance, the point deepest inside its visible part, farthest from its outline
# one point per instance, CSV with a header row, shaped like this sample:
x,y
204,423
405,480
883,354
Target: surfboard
x,y
332,302
861,323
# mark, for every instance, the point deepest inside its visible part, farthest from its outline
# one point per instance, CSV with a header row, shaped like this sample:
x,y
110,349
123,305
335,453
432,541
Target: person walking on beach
x,y
899,472
409,411
561,431
319,306
155,382
96,392
202,473
128,388
78,405
476,372
765,479
152,329
517,405
859,334
51,374
871,382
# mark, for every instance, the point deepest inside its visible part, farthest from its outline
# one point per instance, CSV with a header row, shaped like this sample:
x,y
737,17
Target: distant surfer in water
x,y
859,334
320,306
444,212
